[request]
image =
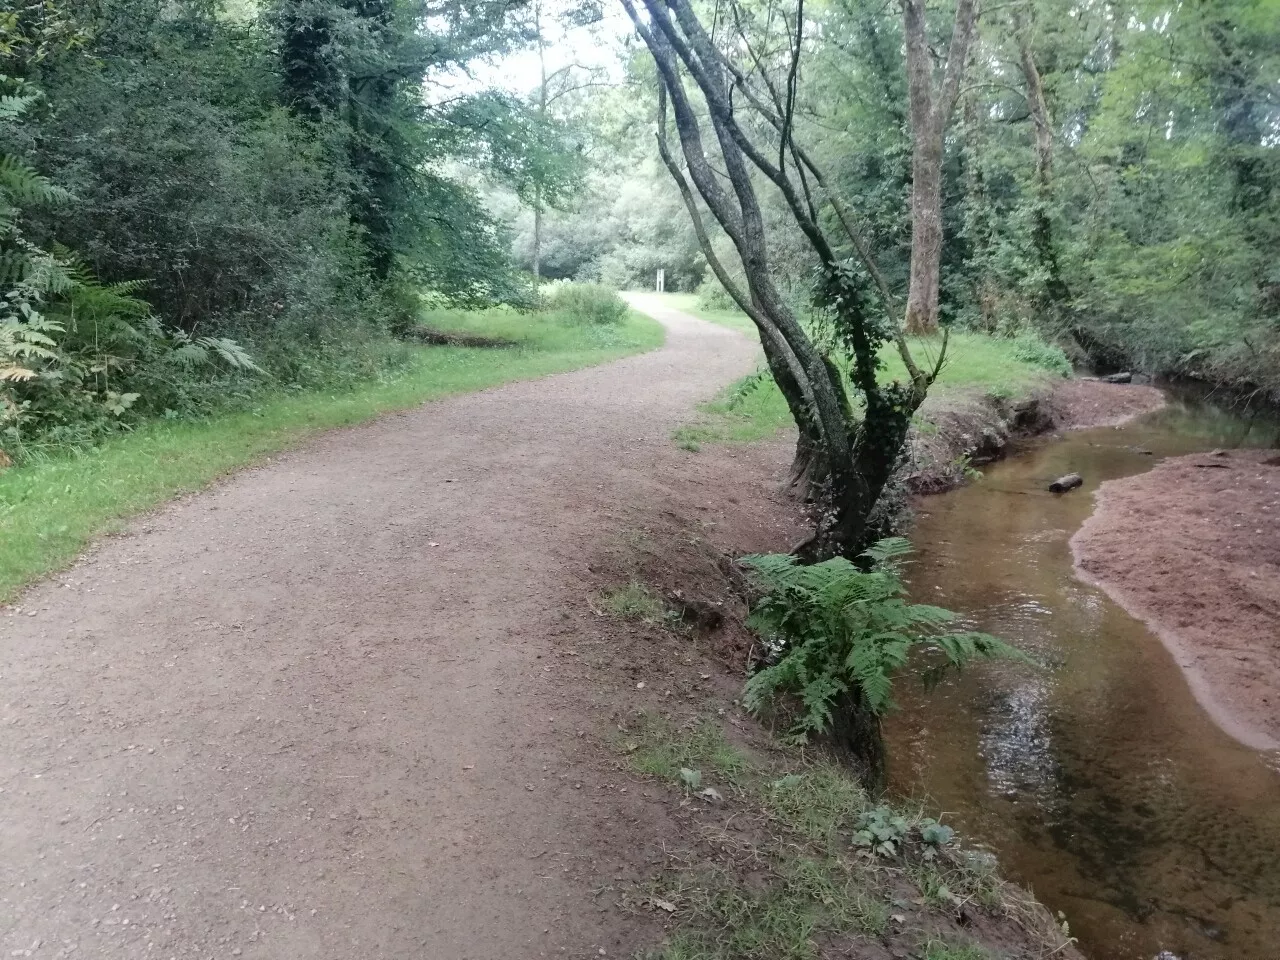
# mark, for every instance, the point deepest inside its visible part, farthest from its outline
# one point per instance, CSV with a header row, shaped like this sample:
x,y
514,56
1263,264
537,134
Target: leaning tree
x,y
745,92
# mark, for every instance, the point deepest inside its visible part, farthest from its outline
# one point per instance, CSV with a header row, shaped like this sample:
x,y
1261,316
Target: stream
x,y
1099,781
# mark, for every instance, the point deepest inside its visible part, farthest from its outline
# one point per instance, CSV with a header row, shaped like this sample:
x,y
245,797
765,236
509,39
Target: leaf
x,y
936,834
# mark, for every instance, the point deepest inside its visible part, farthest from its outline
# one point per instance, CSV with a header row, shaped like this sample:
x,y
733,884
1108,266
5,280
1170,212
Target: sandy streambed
x,y
1193,548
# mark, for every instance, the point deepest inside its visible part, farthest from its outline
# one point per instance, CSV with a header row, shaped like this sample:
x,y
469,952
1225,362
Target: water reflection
x,y
1098,779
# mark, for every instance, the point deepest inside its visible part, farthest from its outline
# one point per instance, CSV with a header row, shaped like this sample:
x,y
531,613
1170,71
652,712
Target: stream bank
x,y
957,430
1193,549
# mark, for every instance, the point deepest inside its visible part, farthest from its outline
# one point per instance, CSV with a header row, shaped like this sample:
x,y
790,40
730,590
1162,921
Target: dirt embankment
x,y
1193,549
963,429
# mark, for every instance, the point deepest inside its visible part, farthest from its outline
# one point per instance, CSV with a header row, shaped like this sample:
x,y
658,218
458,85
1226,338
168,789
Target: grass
x,y
634,601
788,883
754,409
660,751
50,510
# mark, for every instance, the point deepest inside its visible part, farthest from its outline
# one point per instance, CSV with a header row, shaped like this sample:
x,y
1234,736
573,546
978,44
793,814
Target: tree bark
x,y
542,116
930,111
537,237
926,238
857,736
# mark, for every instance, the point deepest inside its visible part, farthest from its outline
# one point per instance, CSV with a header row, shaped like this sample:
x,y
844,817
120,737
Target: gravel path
x,y
308,713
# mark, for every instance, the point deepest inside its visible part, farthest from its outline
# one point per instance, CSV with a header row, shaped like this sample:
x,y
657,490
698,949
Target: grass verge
x,y
786,871
753,408
49,510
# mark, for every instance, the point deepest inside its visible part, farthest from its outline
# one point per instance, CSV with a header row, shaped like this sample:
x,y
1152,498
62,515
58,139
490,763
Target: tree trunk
x,y
926,237
1055,288
978,215
537,238
542,118
930,112
858,738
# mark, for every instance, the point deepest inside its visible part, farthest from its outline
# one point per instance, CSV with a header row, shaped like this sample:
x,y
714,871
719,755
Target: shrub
x,y
1029,347
713,296
835,629
586,303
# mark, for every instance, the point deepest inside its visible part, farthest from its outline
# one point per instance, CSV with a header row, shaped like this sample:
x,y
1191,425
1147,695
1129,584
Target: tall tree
x,y
845,456
932,102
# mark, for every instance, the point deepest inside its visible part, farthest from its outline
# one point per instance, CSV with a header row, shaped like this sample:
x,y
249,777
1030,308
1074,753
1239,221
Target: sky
x,y
596,48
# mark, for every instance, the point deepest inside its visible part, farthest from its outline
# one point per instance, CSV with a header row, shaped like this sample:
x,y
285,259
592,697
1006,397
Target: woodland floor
x,y
364,700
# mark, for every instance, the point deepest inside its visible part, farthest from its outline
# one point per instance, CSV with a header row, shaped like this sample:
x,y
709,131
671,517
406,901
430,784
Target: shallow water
x,y
1099,780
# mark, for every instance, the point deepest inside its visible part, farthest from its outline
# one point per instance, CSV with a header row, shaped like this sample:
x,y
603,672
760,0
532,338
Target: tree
x,y
931,106
356,70
845,456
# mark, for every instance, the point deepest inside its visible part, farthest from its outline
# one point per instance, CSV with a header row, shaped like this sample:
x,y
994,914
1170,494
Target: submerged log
x,y
1063,484
1124,377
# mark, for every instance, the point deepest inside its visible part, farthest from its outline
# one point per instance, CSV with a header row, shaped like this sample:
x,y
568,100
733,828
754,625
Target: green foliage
x,y
833,628
882,831
76,354
276,176
818,804
661,750
1030,347
586,303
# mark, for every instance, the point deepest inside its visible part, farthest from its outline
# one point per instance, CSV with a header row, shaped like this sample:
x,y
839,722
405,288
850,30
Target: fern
x,y
191,352
833,628
23,185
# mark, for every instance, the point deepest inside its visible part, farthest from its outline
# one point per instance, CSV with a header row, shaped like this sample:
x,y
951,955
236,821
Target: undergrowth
x,y
634,601
790,881
754,409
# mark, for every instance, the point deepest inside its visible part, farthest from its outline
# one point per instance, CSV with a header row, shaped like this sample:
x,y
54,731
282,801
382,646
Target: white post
x,y
662,280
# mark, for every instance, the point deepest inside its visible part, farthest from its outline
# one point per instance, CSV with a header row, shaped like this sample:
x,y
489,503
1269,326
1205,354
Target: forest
x,y
428,379
198,192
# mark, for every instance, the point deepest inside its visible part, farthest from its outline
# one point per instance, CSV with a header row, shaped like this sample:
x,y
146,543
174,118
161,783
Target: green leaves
x,y
833,628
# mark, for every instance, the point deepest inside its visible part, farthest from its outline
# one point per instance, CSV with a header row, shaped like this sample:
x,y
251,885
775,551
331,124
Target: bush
x,y
586,303
1029,347
713,296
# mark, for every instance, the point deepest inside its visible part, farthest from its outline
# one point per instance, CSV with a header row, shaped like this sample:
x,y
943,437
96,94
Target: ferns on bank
x,y
72,348
834,628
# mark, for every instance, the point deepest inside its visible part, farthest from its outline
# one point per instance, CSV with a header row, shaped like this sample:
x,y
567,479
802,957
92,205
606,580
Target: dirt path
x,y
308,714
